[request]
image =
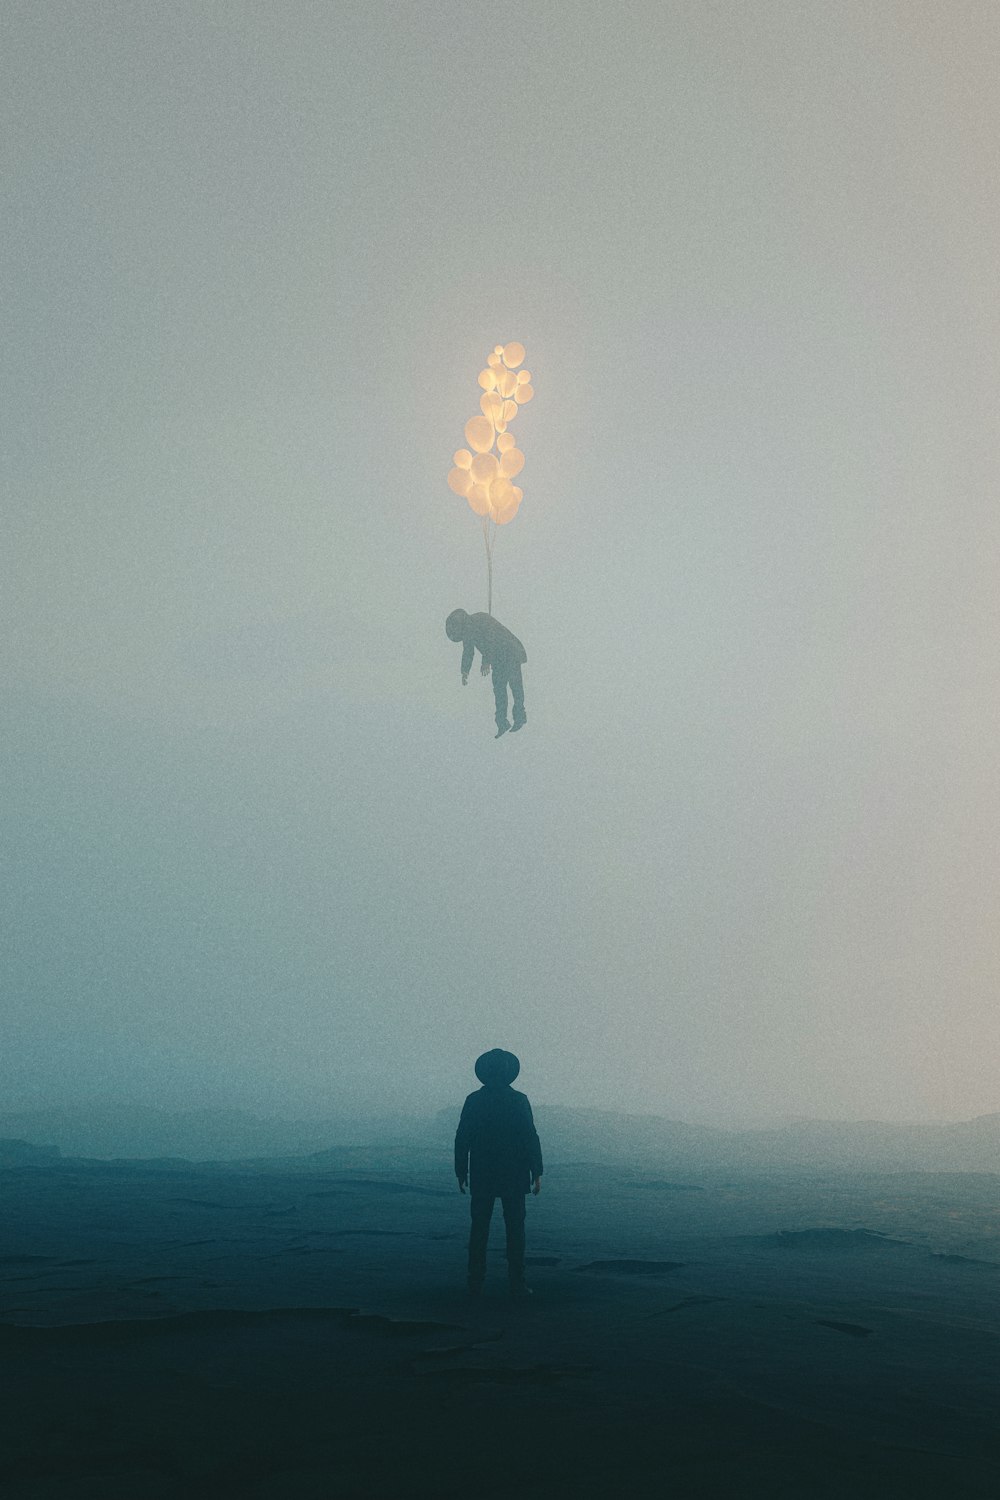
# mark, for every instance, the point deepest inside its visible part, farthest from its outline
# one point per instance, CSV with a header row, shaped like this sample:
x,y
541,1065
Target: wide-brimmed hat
x,y
497,1067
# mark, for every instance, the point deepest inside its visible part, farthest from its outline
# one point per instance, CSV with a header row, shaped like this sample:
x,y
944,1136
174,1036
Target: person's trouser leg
x,y
500,670
513,1218
517,693
481,1208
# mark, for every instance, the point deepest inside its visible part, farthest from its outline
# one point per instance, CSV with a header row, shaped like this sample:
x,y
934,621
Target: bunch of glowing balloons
x,y
483,472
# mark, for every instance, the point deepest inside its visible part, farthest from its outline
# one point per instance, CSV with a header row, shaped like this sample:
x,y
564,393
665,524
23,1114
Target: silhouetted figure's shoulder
x,y
487,1100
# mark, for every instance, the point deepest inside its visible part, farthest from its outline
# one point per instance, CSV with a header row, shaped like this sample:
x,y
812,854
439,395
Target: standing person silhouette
x,y
500,650
498,1154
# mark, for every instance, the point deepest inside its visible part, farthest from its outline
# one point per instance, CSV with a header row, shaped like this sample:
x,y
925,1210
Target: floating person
x,y
501,651
498,1154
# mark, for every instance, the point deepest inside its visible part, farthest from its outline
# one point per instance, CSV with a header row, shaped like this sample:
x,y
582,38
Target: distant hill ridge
x,y
143,1132
965,1146
15,1153
568,1134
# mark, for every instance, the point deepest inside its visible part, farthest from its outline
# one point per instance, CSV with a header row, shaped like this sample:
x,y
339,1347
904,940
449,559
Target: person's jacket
x,y
496,1144
494,641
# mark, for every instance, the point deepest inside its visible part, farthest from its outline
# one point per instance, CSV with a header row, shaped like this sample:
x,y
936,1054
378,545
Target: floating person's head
x,y
454,626
497,1069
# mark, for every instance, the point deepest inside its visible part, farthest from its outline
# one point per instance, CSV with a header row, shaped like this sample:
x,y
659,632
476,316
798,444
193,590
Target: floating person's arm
x,y
468,652
497,639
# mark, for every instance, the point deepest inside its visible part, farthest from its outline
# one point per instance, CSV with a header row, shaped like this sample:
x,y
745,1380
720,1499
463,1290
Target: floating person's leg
x,y
517,694
500,671
481,1208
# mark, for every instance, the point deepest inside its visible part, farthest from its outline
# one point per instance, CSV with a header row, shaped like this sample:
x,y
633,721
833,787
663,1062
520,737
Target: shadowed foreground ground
x,y
169,1330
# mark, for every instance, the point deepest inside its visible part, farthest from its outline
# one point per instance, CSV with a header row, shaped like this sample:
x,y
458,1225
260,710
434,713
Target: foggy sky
x,y
259,845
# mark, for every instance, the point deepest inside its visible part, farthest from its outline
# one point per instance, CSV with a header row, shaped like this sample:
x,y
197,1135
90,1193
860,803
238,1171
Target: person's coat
x,y
498,646
496,1144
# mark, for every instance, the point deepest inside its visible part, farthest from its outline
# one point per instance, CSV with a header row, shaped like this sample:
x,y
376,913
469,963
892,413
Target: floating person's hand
x,y
465,679
485,669
536,1186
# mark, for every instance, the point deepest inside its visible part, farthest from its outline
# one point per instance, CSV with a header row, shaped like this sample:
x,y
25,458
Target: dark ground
x,y
172,1330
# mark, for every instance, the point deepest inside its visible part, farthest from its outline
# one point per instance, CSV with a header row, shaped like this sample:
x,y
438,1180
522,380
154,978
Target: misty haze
x,y
270,884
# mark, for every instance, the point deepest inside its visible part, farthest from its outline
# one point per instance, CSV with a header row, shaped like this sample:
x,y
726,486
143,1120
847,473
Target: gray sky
x,y
259,846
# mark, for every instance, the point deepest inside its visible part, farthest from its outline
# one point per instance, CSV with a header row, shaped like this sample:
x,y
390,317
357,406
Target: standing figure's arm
x,y
462,1144
534,1149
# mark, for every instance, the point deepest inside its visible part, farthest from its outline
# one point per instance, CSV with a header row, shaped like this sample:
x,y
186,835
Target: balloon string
x,y
489,564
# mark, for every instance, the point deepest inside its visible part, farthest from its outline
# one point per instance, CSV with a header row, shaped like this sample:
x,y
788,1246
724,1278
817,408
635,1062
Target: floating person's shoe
x,y
502,728
519,722
519,1291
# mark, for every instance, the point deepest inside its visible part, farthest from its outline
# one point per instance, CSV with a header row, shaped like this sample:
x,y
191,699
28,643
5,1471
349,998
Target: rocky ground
x,y
278,1332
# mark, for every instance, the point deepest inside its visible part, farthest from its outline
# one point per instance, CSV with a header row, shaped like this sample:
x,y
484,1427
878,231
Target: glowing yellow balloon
x,y
508,513
501,493
479,474
479,434
511,463
485,468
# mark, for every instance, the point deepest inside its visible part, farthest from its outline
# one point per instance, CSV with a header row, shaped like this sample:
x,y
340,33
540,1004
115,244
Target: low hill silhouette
x,y
568,1134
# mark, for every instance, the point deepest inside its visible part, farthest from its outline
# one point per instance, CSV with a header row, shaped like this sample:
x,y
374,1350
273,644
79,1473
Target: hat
x,y
497,1068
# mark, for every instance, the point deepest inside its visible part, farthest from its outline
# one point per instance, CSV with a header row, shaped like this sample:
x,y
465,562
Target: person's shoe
x,y
519,722
502,728
519,1291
